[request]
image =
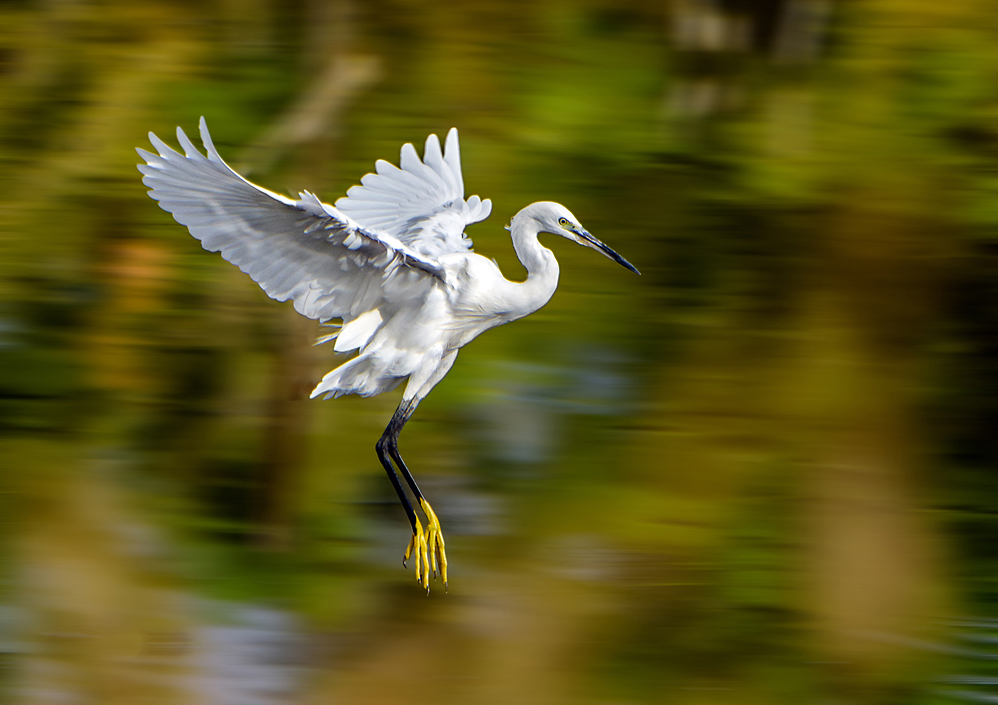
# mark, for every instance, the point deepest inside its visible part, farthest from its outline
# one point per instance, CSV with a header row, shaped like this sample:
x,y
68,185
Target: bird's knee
x,y
385,444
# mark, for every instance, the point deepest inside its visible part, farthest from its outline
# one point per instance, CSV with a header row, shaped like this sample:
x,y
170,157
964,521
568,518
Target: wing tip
x,y
432,144
452,142
209,145
162,147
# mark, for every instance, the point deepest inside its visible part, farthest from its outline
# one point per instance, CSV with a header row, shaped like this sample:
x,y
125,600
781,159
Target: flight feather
x,y
328,263
421,201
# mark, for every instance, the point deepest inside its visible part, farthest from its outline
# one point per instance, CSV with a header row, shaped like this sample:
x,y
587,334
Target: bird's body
x,y
390,261
411,339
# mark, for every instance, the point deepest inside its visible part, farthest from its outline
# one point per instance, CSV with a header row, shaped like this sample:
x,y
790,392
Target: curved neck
x,y
542,267
536,258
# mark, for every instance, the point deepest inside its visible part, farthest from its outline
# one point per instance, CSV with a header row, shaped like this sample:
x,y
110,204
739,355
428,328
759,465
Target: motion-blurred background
x,y
763,472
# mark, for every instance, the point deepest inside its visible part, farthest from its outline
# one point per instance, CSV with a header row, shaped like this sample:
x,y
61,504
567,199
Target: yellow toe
x,y
428,548
417,546
434,542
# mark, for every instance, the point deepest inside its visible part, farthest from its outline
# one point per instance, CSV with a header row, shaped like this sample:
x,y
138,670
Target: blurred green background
x,y
763,472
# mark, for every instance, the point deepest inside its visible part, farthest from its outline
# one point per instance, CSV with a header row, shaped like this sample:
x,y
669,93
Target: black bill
x,y
589,241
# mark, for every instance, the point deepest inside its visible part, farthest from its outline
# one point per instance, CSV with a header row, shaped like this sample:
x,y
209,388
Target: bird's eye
x,y
562,221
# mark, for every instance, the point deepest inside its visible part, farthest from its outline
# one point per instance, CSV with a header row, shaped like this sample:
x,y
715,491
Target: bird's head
x,y
556,219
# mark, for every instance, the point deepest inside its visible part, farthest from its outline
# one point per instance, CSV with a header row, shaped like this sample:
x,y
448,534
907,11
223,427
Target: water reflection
x,y
763,471
259,656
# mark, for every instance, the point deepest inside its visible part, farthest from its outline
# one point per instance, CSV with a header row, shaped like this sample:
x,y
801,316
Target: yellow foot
x,y
426,545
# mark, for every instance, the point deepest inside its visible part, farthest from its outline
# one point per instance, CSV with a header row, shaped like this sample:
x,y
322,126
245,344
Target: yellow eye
x,y
563,221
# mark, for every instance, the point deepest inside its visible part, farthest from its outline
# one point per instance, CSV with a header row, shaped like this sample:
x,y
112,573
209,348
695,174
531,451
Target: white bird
x,y
390,261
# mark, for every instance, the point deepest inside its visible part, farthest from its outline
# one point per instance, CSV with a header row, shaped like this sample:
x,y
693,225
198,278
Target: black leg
x,y
391,438
381,447
387,446
428,545
393,450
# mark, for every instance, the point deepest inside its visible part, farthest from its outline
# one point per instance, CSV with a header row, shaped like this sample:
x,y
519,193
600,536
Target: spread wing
x,y
422,203
304,250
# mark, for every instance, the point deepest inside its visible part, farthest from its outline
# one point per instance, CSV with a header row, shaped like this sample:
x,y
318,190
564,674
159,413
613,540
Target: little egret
x,y
390,261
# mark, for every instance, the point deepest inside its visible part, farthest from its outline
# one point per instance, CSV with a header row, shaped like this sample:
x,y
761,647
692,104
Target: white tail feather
x,y
364,375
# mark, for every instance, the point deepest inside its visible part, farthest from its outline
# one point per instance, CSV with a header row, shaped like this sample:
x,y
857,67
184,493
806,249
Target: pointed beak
x,y
584,238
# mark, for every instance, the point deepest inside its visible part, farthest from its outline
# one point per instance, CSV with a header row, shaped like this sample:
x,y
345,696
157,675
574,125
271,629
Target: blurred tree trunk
x,y
872,558
872,565
873,561
305,131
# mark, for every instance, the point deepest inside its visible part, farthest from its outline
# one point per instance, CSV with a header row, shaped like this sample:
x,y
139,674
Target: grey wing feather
x,y
304,250
421,202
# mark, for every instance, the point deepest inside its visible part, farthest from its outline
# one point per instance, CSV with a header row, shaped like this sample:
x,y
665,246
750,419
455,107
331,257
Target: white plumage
x,y
422,203
390,260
